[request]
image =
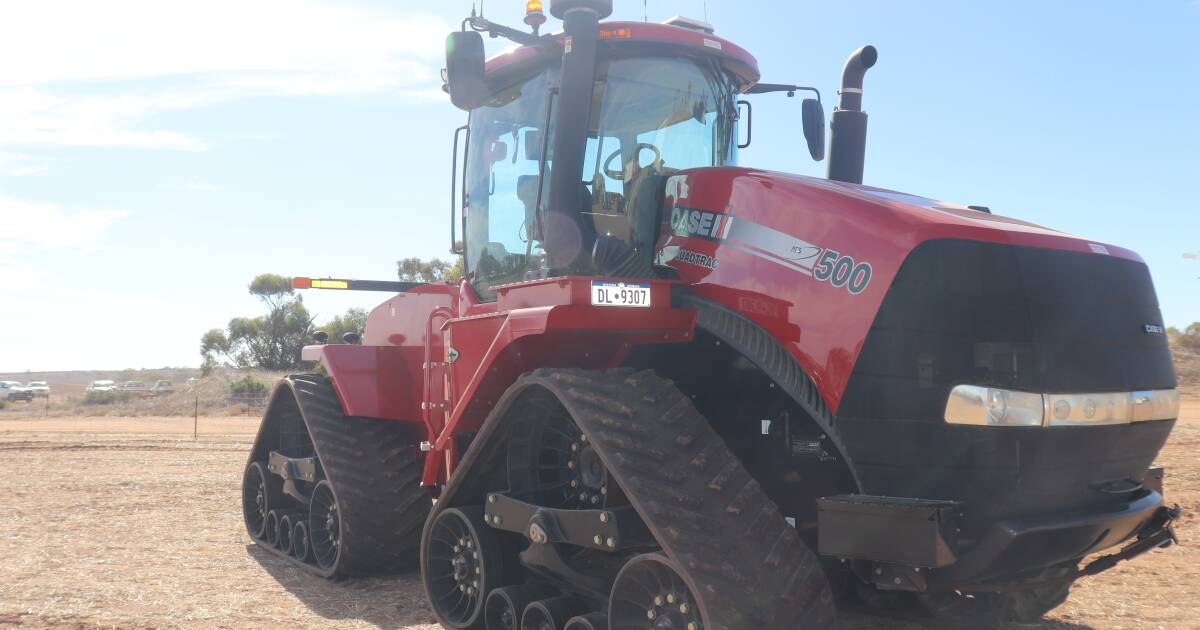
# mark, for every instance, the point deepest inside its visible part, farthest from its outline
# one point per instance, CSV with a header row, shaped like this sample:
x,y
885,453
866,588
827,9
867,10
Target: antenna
x,y
705,10
645,12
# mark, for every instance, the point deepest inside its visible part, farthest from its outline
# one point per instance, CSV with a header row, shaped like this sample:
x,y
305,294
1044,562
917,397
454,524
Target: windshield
x,y
651,117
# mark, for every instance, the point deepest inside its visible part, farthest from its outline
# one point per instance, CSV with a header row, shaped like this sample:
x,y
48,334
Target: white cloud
x,y
201,186
78,61
47,226
20,164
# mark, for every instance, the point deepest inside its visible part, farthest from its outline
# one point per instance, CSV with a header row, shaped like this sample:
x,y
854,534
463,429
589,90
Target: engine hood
x,y
923,217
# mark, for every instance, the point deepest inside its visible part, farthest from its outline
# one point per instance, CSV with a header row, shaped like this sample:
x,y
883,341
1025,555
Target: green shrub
x,y
247,385
2,404
106,397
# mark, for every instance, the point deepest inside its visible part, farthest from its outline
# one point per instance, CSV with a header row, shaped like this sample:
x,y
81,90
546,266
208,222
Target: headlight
x,y
990,406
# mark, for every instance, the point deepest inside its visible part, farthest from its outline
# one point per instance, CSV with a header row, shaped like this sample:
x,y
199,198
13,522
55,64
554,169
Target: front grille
x,y
1023,318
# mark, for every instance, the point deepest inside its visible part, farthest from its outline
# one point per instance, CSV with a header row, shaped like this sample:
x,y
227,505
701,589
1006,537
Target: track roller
x,y
261,492
460,563
504,606
300,545
594,621
549,614
271,529
287,523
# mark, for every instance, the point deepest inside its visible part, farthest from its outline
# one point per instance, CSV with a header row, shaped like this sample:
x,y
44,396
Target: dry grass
x,y
129,523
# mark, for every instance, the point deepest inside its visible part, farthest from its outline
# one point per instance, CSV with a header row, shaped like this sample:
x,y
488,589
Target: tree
x,y
272,341
1190,337
353,320
432,270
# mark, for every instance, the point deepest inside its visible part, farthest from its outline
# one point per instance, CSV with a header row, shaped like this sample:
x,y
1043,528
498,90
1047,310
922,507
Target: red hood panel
x,y
811,260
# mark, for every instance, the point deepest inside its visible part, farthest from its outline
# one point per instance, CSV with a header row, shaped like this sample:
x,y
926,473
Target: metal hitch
x,y
1158,532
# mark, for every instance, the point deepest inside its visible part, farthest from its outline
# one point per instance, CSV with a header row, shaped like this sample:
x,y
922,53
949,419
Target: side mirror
x,y
812,115
464,69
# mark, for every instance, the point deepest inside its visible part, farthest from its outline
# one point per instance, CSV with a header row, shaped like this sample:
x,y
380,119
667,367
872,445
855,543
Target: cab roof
x,y
652,39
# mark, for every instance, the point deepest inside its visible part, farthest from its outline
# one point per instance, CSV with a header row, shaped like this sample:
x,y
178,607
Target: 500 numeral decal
x,y
842,271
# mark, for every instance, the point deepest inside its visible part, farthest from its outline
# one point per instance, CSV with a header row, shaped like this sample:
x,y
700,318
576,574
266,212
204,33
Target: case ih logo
x,y
709,225
823,264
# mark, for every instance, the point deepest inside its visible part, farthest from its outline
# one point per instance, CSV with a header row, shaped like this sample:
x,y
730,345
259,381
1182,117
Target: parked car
x,y
12,390
162,387
39,388
136,388
102,386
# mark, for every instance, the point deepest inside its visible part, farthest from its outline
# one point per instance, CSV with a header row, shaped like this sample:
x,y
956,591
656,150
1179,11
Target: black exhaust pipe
x,y
567,241
848,126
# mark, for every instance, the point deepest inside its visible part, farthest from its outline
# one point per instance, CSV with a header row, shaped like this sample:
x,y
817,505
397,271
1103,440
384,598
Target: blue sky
x,y
155,156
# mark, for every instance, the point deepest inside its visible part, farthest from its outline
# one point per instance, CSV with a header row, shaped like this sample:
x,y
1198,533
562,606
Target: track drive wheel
x,y
260,494
650,594
460,566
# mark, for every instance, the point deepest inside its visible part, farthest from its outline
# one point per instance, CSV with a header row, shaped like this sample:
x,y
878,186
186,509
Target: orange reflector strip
x,y
616,33
301,283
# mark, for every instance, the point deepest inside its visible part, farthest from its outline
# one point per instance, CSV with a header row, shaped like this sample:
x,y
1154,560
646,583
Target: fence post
x,y
196,420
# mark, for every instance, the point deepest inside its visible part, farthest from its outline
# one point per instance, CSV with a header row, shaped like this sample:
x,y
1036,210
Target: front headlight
x,y
990,406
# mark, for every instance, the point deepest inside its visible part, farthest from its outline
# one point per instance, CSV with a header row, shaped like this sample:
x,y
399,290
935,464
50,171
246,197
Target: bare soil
x,y
132,523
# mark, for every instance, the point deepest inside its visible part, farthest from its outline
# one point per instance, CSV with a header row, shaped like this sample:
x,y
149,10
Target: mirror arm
x,y
766,88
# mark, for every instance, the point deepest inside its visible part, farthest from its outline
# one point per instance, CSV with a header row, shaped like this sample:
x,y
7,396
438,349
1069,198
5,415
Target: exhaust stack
x,y
848,125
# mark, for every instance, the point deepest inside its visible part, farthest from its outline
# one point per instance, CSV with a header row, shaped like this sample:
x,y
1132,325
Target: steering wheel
x,y
637,151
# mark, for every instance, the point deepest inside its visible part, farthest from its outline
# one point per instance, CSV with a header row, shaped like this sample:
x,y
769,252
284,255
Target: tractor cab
x,y
572,136
650,117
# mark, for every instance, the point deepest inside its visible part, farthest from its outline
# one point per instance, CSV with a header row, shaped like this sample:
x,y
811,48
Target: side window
x,y
512,193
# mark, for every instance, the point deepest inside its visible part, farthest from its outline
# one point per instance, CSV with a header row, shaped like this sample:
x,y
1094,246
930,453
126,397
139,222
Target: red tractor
x,y
676,393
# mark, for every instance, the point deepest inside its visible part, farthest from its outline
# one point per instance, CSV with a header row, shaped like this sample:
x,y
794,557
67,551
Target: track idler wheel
x,y
324,526
650,594
549,614
594,621
261,493
460,565
300,544
504,606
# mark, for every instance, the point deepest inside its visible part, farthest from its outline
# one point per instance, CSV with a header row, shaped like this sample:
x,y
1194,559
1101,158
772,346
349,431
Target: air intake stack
x,y
848,126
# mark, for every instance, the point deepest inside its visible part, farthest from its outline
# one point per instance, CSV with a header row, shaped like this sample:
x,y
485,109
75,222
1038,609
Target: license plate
x,y
631,294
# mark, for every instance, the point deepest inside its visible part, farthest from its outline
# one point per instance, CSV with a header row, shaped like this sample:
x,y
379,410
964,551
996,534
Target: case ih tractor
x,y
674,393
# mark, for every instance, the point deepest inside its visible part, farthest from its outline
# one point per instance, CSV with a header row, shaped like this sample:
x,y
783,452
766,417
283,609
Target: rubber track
x,y
739,555
375,473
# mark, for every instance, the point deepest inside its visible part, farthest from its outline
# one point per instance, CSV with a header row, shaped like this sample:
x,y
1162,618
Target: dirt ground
x,y
130,523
